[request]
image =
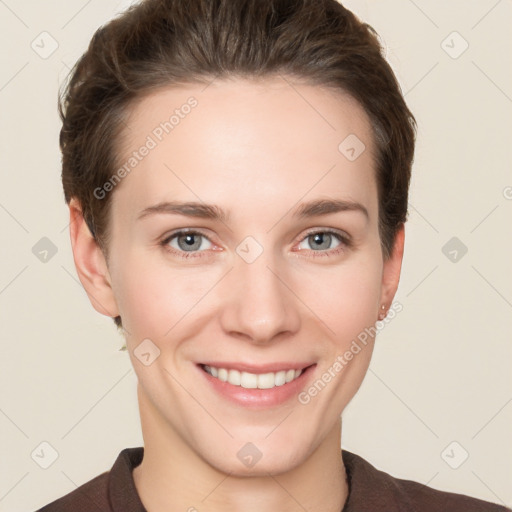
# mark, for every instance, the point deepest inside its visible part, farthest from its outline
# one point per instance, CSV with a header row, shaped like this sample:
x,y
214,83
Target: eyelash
x,y
343,239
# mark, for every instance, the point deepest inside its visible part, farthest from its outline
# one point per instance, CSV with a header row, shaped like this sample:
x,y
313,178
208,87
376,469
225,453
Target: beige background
x,y
442,369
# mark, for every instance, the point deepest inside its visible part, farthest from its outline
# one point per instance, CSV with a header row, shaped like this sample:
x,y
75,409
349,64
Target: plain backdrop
x,y
436,405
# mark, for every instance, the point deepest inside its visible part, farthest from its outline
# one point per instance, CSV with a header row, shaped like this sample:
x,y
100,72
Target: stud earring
x,y
382,314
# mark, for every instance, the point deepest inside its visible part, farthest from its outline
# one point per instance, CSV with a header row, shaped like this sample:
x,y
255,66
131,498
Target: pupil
x,y
189,242
322,239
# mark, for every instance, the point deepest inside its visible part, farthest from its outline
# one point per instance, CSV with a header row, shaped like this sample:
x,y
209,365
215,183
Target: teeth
x,y
248,380
253,380
234,377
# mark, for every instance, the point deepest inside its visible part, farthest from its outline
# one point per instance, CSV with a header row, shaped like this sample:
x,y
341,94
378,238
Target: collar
x,y
369,488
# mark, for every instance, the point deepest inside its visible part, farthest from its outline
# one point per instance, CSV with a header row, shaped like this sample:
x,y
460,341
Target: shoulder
x,y
93,495
375,490
110,491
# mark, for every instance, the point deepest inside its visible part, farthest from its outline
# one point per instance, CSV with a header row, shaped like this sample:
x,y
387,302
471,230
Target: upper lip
x,y
264,368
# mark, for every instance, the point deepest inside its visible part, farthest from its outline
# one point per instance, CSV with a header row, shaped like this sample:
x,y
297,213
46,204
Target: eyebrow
x,y
211,211
189,209
326,206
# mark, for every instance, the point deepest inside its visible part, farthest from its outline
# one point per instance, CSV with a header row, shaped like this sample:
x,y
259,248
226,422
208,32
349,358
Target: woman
x,y
237,176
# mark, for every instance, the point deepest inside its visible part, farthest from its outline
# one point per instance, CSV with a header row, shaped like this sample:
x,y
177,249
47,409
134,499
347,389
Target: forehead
x,y
238,138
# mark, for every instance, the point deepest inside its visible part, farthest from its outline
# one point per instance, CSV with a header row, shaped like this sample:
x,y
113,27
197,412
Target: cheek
x,y
153,296
346,297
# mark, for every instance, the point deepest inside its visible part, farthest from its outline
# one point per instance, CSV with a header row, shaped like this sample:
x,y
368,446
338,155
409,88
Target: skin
x,y
257,150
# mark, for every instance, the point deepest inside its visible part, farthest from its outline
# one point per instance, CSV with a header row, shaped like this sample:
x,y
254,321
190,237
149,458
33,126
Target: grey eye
x,y
189,242
320,241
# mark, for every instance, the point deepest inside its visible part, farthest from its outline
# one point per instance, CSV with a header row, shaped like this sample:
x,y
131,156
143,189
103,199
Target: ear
x,y
391,271
90,263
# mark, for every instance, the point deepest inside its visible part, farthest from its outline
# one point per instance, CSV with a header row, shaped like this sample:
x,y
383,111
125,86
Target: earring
x,y
382,314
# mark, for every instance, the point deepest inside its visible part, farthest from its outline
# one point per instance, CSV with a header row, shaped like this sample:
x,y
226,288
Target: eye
x,y
189,243
186,242
326,241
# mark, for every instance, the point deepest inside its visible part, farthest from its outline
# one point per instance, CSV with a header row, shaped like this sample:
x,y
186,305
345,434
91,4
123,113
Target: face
x,y
246,239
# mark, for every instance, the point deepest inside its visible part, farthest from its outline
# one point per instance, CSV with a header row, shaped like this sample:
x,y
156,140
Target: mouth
x,y
253,380
257,387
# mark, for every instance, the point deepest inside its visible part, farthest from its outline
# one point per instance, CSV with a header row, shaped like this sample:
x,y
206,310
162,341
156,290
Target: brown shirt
x,y
370,490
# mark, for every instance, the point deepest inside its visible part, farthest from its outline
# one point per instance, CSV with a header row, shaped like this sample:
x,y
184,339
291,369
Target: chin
x,y
277,464
242,457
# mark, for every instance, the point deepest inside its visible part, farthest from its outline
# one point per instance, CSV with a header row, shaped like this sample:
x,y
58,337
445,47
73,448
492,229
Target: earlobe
x,y
391,272
90,263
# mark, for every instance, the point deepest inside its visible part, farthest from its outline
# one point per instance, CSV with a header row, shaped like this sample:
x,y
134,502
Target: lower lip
x,y
259,398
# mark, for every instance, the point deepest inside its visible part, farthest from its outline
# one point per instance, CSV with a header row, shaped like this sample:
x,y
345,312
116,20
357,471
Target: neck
x,y
172,476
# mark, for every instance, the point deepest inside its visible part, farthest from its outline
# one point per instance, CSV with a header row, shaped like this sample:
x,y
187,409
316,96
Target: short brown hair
x,y
170,42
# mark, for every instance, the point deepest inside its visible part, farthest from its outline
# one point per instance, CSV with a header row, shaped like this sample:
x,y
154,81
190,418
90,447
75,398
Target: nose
x,y
258,304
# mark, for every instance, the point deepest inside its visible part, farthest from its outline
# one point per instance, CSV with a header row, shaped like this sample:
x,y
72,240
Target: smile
x,y
253,380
